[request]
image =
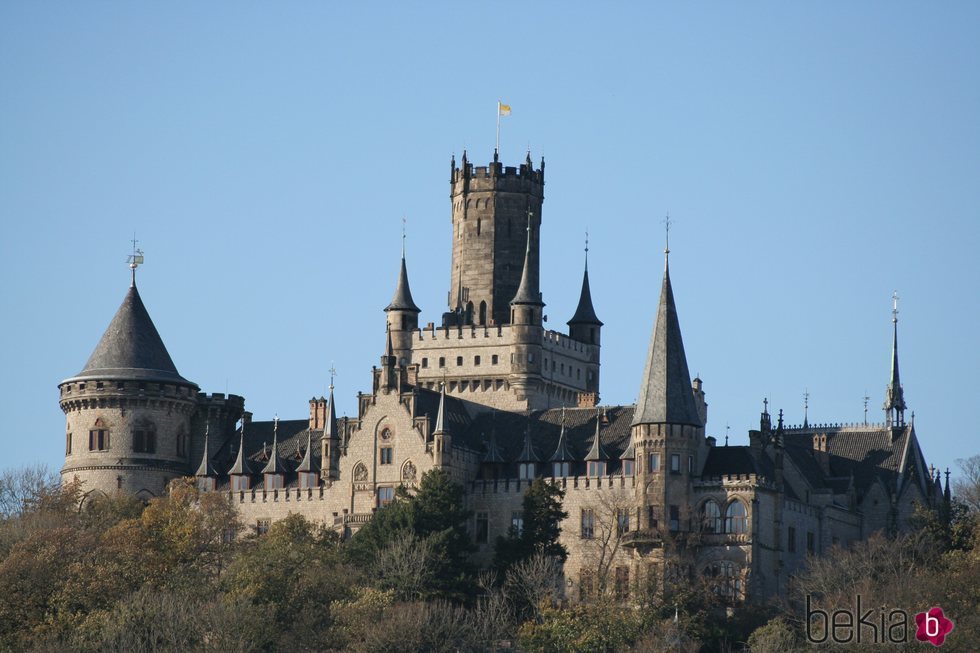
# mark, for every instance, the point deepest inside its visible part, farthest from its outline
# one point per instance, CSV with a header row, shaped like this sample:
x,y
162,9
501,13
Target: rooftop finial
x,y
586,249
529,214
895,299
666,239
403,237
806,407
135,259
866,399
333,373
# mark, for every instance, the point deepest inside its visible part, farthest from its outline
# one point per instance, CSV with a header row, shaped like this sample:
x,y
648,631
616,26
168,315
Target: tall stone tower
x,y
668,425
490,208
128,411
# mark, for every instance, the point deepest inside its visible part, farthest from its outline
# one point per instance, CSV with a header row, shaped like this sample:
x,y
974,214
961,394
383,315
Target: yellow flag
x,y
504,109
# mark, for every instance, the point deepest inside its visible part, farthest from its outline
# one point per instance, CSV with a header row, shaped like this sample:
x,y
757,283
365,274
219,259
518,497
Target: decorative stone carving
x,y
360,472
408,471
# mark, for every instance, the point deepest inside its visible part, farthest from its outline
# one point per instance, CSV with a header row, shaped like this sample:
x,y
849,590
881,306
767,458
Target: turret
x,y
206,474
402,316
667,427
527,319
128,411
442,441
528,459
330,442
274,472
562,459
585,326
489,209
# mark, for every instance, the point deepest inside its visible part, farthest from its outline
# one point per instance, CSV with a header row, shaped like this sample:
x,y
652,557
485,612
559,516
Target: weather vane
x,y
333,373
667,234
135,259
866,400
403,236
895,306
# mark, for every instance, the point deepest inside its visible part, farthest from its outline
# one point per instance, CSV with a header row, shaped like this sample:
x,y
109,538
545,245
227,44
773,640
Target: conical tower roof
x,y
527,291
402,300
665,392
894,394
585,312
562,451
206,468
131,348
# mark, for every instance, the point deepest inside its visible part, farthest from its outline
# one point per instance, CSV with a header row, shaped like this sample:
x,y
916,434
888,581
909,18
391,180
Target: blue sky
x,y
813,157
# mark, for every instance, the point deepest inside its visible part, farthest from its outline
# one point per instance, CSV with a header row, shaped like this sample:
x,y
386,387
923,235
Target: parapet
x,y
496,176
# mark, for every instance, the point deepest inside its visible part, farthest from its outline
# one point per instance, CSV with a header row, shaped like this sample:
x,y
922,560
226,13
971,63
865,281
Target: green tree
x,y
434,514
542,515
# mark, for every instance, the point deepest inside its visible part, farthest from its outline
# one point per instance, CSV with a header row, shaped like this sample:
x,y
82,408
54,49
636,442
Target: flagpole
x,y
496,147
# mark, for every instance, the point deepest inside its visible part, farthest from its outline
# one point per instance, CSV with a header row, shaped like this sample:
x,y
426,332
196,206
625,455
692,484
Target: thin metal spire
x,y
586,249
135,260
806,407
666,240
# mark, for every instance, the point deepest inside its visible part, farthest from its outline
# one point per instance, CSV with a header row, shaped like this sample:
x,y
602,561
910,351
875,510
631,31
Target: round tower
x,y
402,316
490,207
527,325
129,412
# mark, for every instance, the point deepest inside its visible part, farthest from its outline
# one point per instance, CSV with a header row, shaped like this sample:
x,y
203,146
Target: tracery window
x,y
735,518
711,517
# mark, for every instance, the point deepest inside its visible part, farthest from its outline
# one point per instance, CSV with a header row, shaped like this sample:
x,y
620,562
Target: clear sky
x,y
814,158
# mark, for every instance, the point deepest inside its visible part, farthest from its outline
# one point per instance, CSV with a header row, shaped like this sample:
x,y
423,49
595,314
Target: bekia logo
x,y
881,626
932,626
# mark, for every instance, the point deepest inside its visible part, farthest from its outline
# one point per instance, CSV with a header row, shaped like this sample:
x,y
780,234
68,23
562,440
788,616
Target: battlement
x,y
93,389
497,176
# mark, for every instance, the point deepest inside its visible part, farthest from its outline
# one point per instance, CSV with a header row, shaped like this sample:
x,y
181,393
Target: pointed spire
x,y
597,451
275,464
389,347
947,495
330,428
806,408
665,392
562,452
492,454
309,463
206,468
528,454
440,426
131,348
241,466
527,291
402,299
585,312
894,395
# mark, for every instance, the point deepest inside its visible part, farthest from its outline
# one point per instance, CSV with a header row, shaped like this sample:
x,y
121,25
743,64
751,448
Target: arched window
x,y
144,437
483,313
735,519
710,517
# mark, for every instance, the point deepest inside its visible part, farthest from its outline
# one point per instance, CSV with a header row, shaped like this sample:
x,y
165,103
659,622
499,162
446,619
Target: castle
x,y
496,399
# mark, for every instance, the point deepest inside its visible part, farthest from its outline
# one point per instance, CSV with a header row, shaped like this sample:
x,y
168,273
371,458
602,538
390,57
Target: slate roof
x,y
866,452
131,348
545,429
402,300
585,312
665,391
527,291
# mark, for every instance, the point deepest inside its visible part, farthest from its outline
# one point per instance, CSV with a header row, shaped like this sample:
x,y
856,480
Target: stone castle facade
x,y
496,399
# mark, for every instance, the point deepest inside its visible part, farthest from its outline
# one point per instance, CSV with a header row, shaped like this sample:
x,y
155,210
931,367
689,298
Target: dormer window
x,y
207,484
597,468
560,469
273,481
526,471
239,483
308,480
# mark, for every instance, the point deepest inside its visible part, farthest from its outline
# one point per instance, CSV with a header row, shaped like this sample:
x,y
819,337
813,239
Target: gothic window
x,y
711,517
587,531
385,496
482,527
623,520
675,463
181,442
517,523
387,455
144,438
622,586
735,518
262,526
98,439
725,578
653,462
653,516
483,313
